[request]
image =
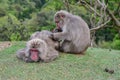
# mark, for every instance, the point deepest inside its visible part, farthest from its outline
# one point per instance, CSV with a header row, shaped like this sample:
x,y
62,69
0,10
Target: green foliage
x,y
116,42
15,37
47,28
53,5
106,34
2,12
11,29
20,18
3,21
105,44
117,37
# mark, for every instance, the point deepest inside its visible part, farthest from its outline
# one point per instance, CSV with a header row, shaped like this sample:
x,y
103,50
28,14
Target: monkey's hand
x,y
57,30
52,37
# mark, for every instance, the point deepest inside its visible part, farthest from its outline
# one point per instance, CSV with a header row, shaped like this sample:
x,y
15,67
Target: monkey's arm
x,y
22,55
61,36
27,52
49,59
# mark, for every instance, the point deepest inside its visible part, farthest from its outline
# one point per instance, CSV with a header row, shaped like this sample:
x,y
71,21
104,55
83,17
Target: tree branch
x,y
66,2
87,5
100,26
117,22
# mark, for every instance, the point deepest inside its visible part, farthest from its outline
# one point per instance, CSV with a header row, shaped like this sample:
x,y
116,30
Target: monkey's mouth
x,y
57,24
56,21
34,55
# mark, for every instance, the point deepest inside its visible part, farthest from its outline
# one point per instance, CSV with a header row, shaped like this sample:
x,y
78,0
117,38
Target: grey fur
x,y
43,44
75,33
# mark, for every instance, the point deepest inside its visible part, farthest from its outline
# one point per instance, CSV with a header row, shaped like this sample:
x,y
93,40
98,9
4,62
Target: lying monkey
x,y
39,48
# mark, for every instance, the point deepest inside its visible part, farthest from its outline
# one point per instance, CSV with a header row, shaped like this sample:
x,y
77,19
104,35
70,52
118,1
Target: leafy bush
x,y
12,29
105,44
116,42
117,37
15,37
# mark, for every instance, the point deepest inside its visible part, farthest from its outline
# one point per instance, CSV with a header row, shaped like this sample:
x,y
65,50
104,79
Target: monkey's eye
x,y
57,16
62,15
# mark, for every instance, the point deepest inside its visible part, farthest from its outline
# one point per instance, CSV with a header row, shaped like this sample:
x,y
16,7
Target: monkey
x,y
52,44
32,51
75,33
39,48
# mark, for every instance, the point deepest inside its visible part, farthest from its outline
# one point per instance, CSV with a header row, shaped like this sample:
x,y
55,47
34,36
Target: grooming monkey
x,y
75,33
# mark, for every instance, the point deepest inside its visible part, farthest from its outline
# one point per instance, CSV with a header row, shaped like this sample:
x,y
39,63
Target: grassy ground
x,y
67,67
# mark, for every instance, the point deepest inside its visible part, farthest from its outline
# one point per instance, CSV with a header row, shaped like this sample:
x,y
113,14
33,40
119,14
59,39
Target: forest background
x,y
20,18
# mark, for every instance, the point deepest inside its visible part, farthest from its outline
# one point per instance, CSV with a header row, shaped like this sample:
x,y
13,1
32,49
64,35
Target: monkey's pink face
x,y
59,20
34,54
34,46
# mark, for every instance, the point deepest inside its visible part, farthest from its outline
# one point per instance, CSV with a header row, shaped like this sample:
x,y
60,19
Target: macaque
x,y
75,33
39,48
31,52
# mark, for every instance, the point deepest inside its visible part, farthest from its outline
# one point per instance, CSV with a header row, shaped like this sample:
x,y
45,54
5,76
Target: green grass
x,y
67,67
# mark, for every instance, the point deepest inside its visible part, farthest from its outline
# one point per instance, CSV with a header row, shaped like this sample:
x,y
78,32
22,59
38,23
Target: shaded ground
x,y
5,44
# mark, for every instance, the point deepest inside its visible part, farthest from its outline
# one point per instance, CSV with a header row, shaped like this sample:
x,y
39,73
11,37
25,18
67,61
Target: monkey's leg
x,y
66,46
51,55
21,54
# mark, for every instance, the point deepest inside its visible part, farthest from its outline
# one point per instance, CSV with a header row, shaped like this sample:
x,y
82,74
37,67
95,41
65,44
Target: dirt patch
x,y
5,44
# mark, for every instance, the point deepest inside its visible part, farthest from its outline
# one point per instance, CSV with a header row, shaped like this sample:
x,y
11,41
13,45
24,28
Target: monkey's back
x,y
44,35
80,34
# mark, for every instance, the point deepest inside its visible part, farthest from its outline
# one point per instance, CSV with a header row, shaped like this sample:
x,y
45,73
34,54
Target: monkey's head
x,y
60,18
36,47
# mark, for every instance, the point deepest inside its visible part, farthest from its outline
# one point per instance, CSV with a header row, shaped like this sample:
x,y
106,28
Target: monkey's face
x,y
36,47
59,20
34,54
